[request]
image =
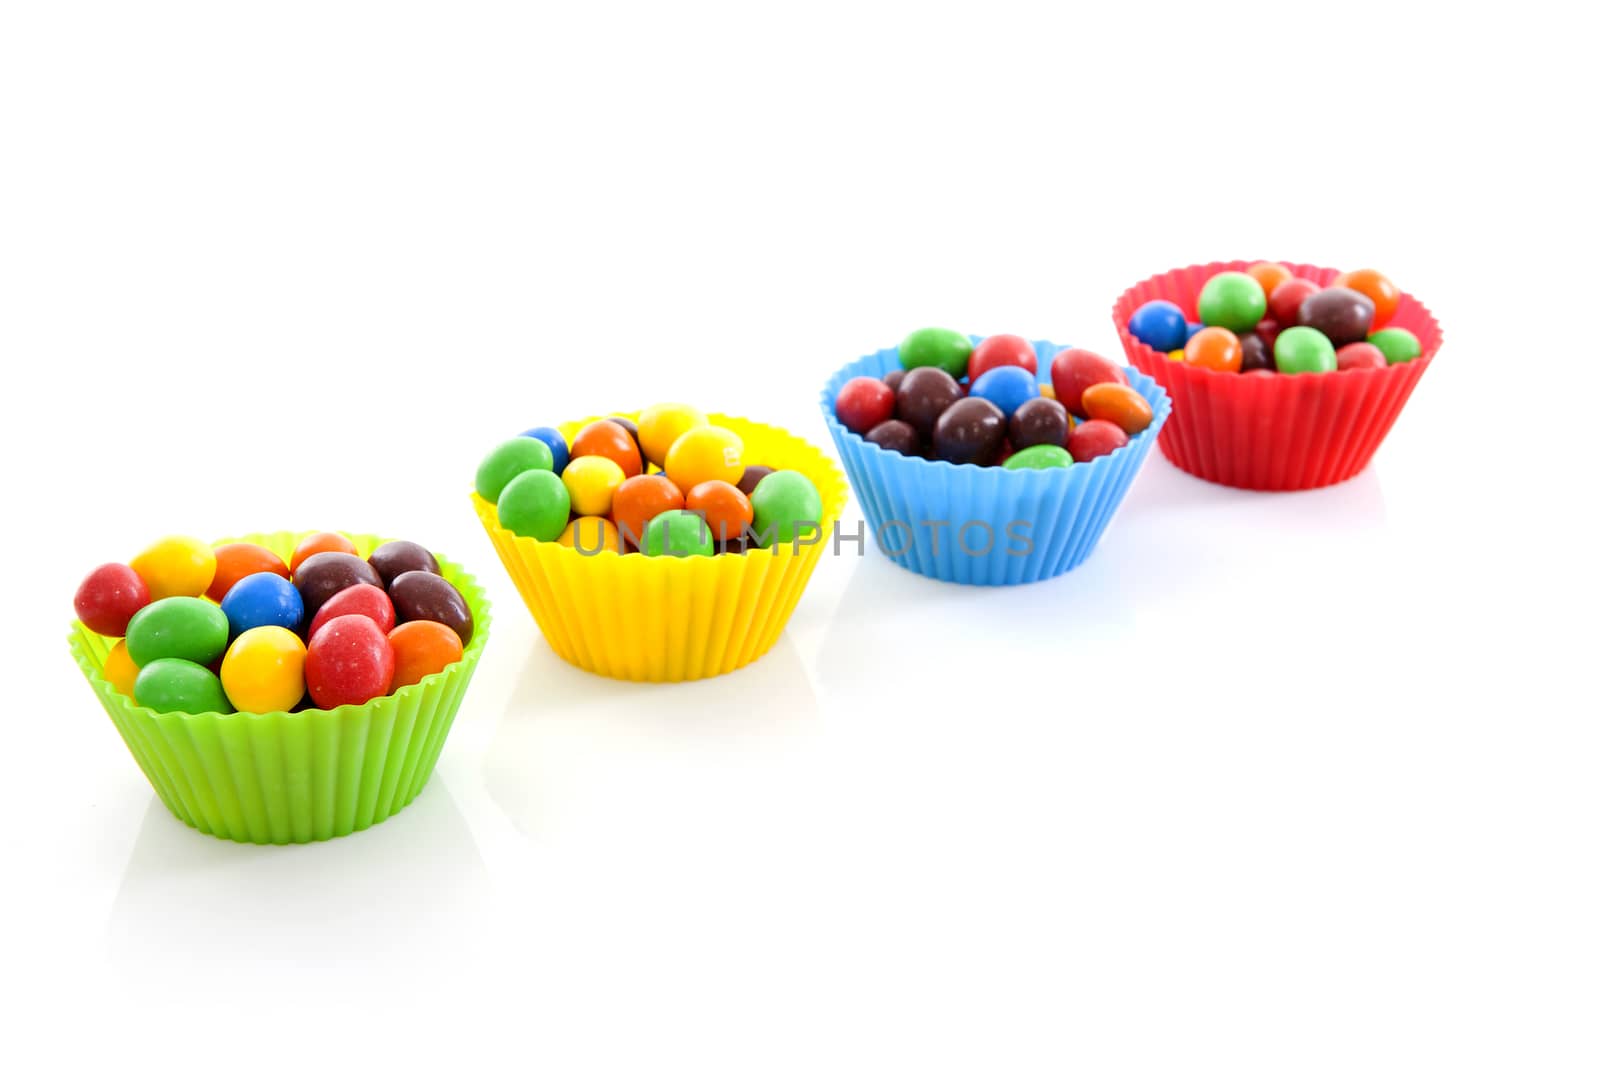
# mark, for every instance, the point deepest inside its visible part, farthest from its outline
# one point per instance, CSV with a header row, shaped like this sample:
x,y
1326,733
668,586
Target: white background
x,y
1304,779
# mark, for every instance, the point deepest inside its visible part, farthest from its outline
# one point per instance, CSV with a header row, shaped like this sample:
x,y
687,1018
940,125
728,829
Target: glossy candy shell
x,y
285,778
664,619
1068,509
1274,432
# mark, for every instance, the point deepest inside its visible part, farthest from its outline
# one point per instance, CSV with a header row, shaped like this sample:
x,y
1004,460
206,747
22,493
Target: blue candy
x,y
557,443
1007,388
263,599
1160,324
1194,328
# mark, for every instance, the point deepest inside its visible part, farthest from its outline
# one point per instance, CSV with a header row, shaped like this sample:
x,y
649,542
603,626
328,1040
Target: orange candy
x,y
320,542
611,440
727,511
1119,404
1384,294
640,499
1215,348
421,648
1270,275
240,560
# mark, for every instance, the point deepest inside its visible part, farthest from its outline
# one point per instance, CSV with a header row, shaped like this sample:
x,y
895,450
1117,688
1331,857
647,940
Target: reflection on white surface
x,y
403,887
568,739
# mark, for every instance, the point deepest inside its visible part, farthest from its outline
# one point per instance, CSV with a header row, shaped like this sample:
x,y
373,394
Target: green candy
x,y
509,460
178,627
783,501
678,533
1397,344
1304,350
179,685
948,350
535,504
1039,458
1232,300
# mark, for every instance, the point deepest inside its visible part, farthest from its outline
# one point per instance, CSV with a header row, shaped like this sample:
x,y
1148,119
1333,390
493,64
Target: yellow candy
x,y
176,566
1176,353
1046,389
265,670
662,424
591,534
120,670
705,454
591,482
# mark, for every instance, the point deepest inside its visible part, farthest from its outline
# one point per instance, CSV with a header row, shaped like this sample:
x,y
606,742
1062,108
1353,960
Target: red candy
x,y
1093,438
349,661
1360,355
863,403
366,600
1284,303
1076,369
1002,350
111,595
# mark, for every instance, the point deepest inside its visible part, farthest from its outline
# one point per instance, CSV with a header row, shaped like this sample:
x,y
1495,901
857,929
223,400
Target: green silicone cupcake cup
x,y
293,777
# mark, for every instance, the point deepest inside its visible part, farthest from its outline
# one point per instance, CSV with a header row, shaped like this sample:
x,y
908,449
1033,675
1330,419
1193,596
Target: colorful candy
x,y
1119,404
609,440
923,395
1007,388
559,453
640,499
1039,457
111,596
240,560
1215,348
705,454
1041,421
1093,438
264,671
896,436
1269,276
394,558
534,504
726,510
366,600
1304,350
419,595
1159,324
592,534
1255,351
421,648
662,424
785,505
176,566
752,478
320,576
1076,369
511,459
120,670
325,541
1383,293
1360,356
972,430
349,661
863,403
1397,344
263,599
1284,304
179,685
1343,316
1233,300
678,533
592,481
178,627
1002,350
933,347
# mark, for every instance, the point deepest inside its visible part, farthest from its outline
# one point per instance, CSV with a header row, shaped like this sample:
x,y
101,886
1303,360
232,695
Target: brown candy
x,y
896,436
1343,316
972,430
1039,421
1257,353
321,575
420,595
894,378
923,396
395,558
752,478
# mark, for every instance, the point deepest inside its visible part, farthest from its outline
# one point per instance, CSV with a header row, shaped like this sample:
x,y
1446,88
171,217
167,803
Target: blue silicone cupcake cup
x,y
986,525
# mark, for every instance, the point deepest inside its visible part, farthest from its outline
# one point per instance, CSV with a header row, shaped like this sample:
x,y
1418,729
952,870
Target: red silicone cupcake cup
x,y
1277,432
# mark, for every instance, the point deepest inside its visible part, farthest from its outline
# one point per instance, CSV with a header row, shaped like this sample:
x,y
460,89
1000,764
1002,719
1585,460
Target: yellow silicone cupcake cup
x,y
286,777
671,620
